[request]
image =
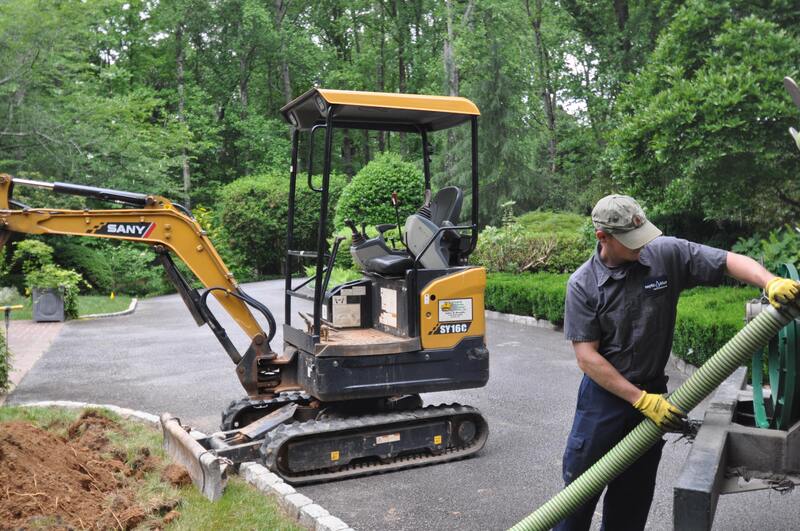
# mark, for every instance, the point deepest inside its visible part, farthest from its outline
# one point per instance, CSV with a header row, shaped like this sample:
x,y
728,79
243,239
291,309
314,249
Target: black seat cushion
x,y
389,264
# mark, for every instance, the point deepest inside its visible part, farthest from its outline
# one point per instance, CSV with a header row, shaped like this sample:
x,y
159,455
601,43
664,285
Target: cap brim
x,y
639,237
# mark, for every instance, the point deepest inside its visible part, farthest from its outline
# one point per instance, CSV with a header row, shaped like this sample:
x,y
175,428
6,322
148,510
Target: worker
x,y
620,317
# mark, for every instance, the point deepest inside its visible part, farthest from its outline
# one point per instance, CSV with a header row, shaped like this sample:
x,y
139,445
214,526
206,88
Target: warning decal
x,y
451,310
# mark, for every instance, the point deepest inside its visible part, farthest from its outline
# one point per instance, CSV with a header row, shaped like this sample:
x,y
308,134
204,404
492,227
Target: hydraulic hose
x,y
732,355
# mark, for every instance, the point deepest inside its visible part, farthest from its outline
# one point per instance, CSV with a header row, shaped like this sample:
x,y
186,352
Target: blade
x,y
208,473
792,89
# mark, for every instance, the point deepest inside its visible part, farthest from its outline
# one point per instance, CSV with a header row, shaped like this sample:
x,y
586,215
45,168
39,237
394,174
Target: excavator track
x,y
240,413
328,450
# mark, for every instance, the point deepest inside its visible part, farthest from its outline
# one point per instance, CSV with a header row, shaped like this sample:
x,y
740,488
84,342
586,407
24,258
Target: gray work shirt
x,y
631,309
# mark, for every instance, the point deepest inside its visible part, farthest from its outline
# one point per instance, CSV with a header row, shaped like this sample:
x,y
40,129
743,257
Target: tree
x,y
703,130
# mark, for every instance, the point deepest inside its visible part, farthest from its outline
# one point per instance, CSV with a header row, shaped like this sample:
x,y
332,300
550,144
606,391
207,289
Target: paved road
x,y
158,360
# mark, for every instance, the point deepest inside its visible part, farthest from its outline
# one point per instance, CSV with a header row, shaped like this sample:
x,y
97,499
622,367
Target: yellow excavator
x,y
341,398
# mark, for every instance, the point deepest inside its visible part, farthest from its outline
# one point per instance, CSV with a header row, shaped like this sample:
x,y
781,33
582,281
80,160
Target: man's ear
x,y
600,235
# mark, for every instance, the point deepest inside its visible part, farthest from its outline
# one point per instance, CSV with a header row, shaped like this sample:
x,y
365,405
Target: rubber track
x,y
275,439
269,404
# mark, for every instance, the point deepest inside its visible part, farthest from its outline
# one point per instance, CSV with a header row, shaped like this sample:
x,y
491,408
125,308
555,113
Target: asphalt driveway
x,y
158,360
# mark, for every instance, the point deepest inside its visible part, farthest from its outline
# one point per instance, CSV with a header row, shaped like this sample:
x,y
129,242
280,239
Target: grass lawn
x,y
241,506
87,305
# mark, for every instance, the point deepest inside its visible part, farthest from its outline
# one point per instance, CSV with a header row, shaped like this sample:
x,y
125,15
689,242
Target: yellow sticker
x,y
437,439
335,456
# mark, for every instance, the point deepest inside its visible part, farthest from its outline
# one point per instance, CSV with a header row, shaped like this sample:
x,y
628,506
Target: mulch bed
x,y
76,482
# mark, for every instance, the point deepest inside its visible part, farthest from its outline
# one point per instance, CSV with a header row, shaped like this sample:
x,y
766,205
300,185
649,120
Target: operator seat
x,y
444,210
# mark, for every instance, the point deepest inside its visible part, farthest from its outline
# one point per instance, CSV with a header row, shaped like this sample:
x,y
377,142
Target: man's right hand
x,y
656,407
782,291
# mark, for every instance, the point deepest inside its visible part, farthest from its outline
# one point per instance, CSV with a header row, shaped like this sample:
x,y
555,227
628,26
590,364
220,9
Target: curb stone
x,y
131,309
522,319
685,368
299,507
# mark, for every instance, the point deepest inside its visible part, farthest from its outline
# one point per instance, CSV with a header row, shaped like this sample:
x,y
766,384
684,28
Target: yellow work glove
x,y
656,407
782,291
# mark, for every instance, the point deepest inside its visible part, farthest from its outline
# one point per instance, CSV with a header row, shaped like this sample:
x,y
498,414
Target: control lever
x,y
396,205
358,238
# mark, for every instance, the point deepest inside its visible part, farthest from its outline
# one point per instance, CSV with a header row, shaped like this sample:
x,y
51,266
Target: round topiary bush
x,y
253,214
368,197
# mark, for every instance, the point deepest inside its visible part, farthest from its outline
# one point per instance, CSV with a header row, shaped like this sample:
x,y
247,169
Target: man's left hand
x,y
782,291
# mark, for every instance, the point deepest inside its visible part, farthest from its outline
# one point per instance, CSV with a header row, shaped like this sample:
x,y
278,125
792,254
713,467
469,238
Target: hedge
x,y
707,317
253,211
540,295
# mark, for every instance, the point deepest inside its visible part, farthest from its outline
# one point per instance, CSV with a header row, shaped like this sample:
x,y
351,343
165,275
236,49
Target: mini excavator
x,y
342,397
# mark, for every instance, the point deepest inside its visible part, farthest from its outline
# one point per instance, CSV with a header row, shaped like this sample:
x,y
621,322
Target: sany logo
x,y
137,230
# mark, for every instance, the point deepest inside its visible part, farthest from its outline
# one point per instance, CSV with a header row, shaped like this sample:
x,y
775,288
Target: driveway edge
x,y
131,309
299,507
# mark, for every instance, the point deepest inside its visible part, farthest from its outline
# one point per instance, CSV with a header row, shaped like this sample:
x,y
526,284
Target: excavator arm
x,y
165,226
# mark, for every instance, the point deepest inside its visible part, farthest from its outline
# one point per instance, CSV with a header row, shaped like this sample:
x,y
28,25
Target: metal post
x,y
287,316
323,223
474,186
426,161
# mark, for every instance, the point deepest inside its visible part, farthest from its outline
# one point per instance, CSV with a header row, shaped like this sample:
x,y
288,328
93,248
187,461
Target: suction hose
x,y
732,355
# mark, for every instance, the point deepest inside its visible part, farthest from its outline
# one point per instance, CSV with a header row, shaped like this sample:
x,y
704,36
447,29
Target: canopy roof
x,y
379,110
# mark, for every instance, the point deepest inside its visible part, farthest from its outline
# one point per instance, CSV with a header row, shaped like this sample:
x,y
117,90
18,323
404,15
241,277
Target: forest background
x,y
679,103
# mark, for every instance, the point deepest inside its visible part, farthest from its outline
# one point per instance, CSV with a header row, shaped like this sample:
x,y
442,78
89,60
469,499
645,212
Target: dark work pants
x,y
601,421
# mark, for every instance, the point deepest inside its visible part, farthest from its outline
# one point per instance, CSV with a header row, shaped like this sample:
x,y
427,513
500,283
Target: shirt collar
x,y
603,272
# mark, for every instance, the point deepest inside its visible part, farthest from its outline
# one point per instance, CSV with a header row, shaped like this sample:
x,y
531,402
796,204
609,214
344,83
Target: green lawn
x,y
87,305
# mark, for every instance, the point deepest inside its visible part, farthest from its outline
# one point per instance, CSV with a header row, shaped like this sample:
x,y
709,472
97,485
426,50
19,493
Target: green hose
x,y
732,355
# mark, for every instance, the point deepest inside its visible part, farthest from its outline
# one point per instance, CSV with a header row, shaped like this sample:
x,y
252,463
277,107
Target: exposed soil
x,y
77,482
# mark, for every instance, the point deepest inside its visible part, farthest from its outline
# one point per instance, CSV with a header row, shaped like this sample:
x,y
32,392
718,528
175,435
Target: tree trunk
x,y
280,13
381,66
179,60
547,91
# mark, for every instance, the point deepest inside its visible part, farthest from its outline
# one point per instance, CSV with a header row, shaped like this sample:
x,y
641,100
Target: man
x,y
620,316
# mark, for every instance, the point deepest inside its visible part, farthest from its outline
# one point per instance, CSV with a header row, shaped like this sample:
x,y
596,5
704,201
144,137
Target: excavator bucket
x,y
208,472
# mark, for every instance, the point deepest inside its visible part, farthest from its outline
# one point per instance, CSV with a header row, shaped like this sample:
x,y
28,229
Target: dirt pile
x,y
77,482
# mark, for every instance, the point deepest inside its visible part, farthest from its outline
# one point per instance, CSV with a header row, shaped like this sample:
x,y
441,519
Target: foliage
x,y
707,319
31,255
540,295
90,261
65,280
253,211
537,241
368,197
136,270
779,247
706,119
209,221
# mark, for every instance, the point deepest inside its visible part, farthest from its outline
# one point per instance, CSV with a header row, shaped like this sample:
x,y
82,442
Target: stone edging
x,y
522,319
685,368
299,507
131,309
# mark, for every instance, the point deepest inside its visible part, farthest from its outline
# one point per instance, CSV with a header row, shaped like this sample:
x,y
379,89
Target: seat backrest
x,y
446,206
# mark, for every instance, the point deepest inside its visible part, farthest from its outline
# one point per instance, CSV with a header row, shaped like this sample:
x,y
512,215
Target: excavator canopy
x,y
378,110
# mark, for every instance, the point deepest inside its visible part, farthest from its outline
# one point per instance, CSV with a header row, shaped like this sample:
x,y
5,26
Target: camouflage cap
x,y
623,218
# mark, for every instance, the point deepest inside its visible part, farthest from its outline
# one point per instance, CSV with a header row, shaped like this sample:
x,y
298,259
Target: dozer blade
x,y
208,472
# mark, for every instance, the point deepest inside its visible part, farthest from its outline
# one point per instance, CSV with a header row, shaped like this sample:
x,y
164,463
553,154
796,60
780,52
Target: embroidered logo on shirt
x,y
654,285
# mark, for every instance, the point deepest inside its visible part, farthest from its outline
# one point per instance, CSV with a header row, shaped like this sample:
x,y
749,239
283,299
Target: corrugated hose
x,y
720,366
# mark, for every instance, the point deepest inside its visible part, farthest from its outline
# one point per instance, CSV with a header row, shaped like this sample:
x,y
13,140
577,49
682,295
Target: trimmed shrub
x,y
516,248
368,197
540,295
707,319
253,212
